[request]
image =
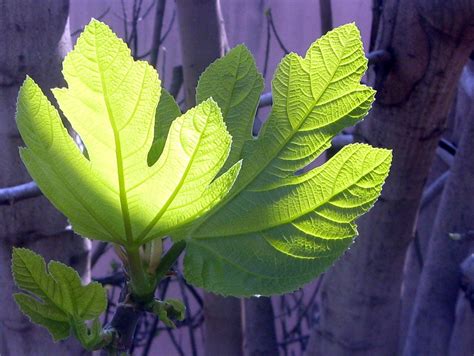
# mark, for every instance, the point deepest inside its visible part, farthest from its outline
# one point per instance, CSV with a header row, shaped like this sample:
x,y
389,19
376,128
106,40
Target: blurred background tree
x,y
400,288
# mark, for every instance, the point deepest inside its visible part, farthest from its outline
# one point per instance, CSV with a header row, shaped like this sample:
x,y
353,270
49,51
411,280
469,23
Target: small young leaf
x,y
45,315
58,300
90,338
169,310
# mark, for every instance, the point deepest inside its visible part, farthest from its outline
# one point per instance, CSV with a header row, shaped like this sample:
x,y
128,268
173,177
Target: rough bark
x,y
417,251
34,39
430,42
435,304
203,39
259,327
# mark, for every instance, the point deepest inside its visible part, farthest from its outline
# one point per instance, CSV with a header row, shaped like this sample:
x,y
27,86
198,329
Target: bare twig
x,y
265,100
110,304
133,40
151,336
99,251
379,56
16,193
100,17
114,279
309,303
167,32
275,32
125,20
188,314
376,13
342,140
267,48
160,12
176,345
194,293
325,15
433,189
170,26
147,11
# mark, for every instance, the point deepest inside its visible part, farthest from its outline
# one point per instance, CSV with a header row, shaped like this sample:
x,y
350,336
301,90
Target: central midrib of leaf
x,y
257,172
160,213
225,110
118,156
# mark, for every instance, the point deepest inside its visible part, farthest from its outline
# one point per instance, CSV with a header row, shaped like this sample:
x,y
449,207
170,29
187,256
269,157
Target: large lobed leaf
x,y
111,101
56,298
268,229
278,229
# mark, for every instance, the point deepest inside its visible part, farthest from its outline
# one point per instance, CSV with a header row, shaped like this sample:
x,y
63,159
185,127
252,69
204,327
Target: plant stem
x,y
141,288
123,327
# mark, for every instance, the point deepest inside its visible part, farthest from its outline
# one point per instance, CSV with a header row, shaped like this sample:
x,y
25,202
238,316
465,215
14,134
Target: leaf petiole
x,y
141,288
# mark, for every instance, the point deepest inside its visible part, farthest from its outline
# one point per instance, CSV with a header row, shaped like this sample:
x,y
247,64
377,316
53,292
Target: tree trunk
x,y
430,42
34,39
203,40
259,326
416,254
417,251
435,304
223,325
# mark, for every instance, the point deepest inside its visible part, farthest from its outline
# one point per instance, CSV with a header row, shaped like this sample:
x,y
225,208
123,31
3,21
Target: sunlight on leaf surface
x,y
262,231
111,102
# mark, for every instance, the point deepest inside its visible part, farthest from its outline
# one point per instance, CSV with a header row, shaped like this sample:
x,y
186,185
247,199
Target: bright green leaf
x,y
235,84
278,229
58,300
90,337
51,318
169,310
268,229
111,102
166,112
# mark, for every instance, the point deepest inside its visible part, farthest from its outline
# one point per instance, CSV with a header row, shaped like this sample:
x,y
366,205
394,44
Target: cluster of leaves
x,y
62,304
254,220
